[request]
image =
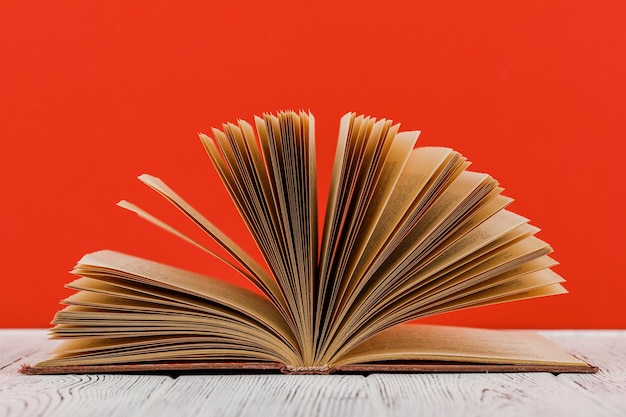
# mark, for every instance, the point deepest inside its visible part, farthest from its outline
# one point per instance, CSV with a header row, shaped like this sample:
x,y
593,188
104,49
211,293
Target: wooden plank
x,y
606,350
78,395
18,343
66,395
264,395
533,394
21,346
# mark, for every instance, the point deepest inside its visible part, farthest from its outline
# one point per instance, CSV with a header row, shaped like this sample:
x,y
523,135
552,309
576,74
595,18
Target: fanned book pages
x,y
408,232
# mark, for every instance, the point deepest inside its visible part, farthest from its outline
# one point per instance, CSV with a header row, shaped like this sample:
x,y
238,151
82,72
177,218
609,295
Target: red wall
x,y
93,94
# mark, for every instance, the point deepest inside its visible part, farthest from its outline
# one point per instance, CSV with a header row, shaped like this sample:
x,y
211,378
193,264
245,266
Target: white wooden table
x,y
522,394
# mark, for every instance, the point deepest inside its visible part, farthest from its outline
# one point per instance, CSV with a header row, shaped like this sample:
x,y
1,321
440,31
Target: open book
x,y
408,232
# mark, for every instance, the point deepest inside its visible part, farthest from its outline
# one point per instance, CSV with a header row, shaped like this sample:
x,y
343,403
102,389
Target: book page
x,y
153,349
444,343
388,177
116,322
466,185
367,144
271,179
492,224
469,291
153,273
291,249
423,176
259,277
330,221
539,284
128,309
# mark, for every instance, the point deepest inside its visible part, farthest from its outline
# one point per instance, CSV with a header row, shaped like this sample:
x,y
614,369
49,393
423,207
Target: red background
x,y
93,94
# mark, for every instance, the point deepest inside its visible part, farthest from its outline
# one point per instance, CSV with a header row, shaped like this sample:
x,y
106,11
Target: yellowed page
x,y
165,324
539,284
509,258
246,272
286,142
391,169
377,160
263,280
153,273
438,179
408,304
459,191
331,207
536,284
462,251
443,343
417,172
448,292
423,172
488,231
83,352
452,199
161,298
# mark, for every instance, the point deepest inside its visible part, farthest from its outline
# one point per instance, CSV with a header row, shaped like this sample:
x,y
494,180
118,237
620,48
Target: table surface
x,y
509,394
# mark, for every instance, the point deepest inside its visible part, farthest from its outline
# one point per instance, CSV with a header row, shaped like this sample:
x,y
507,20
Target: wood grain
x,y
480,395
601,394
271,395
15,344
65,395
607,351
